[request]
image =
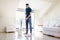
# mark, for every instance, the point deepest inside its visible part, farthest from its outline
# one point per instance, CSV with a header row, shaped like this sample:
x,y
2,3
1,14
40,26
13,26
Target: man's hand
x,y
26,18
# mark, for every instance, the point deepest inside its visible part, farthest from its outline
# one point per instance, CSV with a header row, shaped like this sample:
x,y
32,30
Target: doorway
x,y
20,19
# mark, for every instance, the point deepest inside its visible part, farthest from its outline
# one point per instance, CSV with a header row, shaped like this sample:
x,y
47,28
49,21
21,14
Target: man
x,y
28,19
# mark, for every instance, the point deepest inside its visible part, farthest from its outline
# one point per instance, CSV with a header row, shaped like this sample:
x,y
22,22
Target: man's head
x,y
27,5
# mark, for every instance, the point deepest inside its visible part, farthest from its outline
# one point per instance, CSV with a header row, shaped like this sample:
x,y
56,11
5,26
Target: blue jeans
x,y
28,21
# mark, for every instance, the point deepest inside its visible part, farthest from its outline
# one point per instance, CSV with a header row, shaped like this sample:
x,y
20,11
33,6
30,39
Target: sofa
x,y
52,28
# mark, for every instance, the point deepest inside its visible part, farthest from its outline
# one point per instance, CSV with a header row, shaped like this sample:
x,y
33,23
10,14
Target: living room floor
x,y
19,35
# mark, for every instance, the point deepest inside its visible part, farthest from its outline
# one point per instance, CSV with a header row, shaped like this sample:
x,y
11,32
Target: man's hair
x,y
27,4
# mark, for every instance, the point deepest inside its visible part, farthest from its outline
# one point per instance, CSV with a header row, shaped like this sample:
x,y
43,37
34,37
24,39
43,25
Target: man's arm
x,y
28,16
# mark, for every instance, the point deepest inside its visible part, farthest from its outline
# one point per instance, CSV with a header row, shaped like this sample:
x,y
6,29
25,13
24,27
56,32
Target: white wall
x,y
8,14
53,17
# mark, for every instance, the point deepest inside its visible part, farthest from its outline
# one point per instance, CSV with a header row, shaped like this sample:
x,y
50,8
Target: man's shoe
x,y
30,34
27,35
